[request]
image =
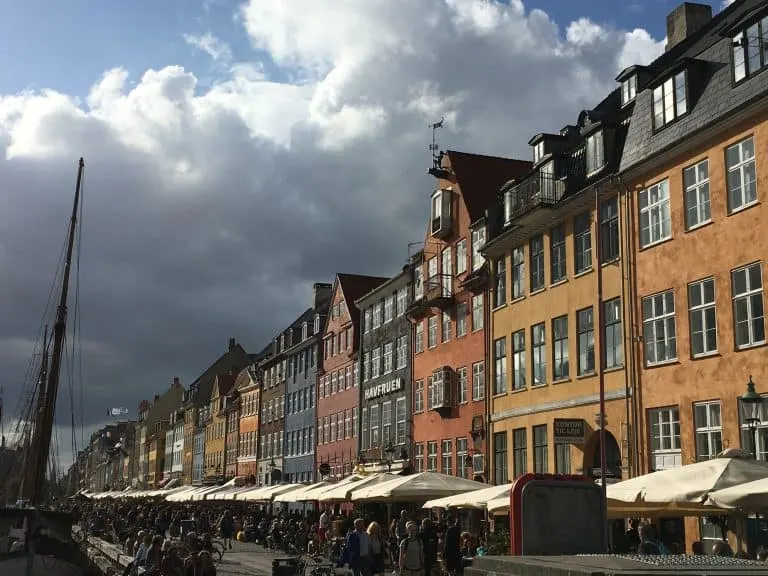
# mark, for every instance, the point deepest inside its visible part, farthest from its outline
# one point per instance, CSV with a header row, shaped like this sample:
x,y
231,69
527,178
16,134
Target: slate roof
x,y
714,99
226,381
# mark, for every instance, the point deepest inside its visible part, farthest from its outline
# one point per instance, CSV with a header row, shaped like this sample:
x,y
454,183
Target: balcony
x,y
437,293
521,201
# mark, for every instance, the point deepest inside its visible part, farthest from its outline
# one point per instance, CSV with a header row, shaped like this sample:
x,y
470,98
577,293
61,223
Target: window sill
x,y
559,282
699,226
591,374
537,386
537,291
478,399
618,368
517,299
662,363
656,243
498,395
612,262
705,355
583,272
499,307
561,381
751,346
743,208
518,390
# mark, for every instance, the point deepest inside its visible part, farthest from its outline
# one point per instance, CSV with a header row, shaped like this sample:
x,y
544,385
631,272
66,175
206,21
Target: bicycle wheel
x,y
183,550
216,556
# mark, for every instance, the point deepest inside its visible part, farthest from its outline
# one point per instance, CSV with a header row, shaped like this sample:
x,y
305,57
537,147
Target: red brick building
x,y
450,315
338,390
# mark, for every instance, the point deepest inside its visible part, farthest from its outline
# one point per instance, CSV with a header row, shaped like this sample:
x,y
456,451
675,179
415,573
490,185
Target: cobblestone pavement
x,y
248,559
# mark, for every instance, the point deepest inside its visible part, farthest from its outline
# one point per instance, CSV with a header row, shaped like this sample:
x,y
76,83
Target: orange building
x,y
249,389
449,311
216,429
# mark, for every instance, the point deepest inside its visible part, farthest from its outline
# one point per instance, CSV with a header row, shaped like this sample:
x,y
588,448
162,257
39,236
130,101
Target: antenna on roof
x,y
434,148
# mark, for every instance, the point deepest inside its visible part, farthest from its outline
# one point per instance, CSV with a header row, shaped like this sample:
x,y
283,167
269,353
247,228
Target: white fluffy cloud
x,y
209,211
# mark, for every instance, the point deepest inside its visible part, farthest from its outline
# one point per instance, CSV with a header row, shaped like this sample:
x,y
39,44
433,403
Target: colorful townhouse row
x,y
626,256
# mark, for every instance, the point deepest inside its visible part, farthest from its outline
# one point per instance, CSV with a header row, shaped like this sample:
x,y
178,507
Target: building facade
x,y
272,421
449,314
338,397
249,389
177,451
300,394
231,415
552,250
216,429
696,149
385,360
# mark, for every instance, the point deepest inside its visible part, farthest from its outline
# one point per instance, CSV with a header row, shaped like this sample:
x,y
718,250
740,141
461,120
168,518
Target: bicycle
x,y
320,566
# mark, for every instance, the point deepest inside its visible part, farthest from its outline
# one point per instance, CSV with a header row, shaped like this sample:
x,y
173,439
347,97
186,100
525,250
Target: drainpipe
x,y
488,334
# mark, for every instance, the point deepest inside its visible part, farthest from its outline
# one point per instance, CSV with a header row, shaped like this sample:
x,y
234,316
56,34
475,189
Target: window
x,y
595,152
461,256
628,90
461,457
562,458
463,389
519,452
441,211
478,241
402,301
655,217
389,308
402,352
461,319
709,435
742,176
447,463
478,381
538,151
560,367
374,424
500,288
418,283
537,262
418,396
446,327
748,314
477,312
582,243
558,270
614,336
432,332
750,50
747,434
386,422
665,437
659,328
518,272
354,421
585,328
418,345
702,317
432,456
609,230
669,100
540,449
400,421
697,207
419,457
388,351
500,471
539,354
518,360
366,368
447,272
432,273
500,366
375,364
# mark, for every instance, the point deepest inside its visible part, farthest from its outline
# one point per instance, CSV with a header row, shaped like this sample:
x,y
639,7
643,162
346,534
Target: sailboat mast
x,y
44,426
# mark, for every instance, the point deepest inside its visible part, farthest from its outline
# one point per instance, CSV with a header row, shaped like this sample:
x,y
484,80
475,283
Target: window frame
x,y
740,166
500,366
558,254
656,208
670,83
560,344
708,429
595,152
587,332
748,295
695,187
582,243
536,265
701,308
539,354
540,449
519,451
613,334
517,260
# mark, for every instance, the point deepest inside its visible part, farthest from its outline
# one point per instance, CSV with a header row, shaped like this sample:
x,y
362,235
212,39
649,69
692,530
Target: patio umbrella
x,y
477,499
750,496
302,494
416,488
342,491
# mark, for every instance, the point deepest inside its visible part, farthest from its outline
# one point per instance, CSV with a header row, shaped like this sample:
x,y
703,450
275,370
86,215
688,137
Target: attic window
x,y
750,50
304,331
628,90
595,152
538,151
670,100
317,324
441,213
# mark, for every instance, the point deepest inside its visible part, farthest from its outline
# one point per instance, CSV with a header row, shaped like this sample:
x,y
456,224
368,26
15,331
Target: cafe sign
x,y
569,431
383,389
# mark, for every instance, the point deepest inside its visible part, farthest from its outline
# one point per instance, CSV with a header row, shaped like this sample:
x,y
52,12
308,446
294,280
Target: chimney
x,y
157,397
321,294
685,20
232,344
176,382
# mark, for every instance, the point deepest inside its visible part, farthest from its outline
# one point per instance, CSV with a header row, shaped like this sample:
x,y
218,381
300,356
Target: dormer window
x,y
750,50
595,152
441,213
628,90
538,151
304,331
317,324
670,100
282,343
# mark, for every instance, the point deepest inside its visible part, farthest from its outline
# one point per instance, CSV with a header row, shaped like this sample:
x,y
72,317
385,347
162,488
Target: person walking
x,y
411,556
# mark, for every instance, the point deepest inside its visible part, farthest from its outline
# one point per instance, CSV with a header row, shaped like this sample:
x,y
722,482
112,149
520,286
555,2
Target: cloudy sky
x,y
237,152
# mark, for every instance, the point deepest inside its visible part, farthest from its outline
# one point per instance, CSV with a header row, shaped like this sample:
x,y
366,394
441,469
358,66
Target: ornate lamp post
x,y
750,411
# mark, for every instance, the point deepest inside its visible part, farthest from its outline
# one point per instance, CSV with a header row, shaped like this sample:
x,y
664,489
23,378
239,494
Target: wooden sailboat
x,y
39,541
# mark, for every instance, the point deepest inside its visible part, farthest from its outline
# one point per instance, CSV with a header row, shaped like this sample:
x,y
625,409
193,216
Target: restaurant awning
x,y
342,491
302,494
477,499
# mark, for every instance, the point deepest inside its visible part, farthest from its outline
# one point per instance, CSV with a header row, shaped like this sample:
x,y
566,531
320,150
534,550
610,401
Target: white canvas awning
x,y
183,495
498,505
302,494
416,488
749,497
342,491
476,499
266,493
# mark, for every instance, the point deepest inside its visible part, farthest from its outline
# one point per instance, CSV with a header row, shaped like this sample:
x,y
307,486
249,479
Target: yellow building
x,y
216,429
156,454
544,342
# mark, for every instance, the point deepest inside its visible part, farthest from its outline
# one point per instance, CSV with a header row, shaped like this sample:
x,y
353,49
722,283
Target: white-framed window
x,y
560,364
378,314
585,332
433,272
655,215
432,456
595,152
614,335
748,312
375,362
748,434
419,457
400,421
582,242
304,331
500,366
418,283
539,354
670,100
697,204
402,352
447,463
389,308
628,90
365,438
709,433
446,327
478,381
742,174
386,421
374,415
461,457
557,254
519,372
461,319
538,151
518,272
432,331
463,385
402,301
388,351
500,286
418,345
447,272
702,316
478,241
536,258
461,256
477,312
750,50
664,430
659,335
418,396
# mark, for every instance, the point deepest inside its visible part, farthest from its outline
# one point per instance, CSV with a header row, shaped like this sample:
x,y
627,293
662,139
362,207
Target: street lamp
x,y
750,411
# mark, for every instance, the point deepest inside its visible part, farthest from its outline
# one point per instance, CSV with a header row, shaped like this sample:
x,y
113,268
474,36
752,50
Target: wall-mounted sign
x,y
382,389
569,431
